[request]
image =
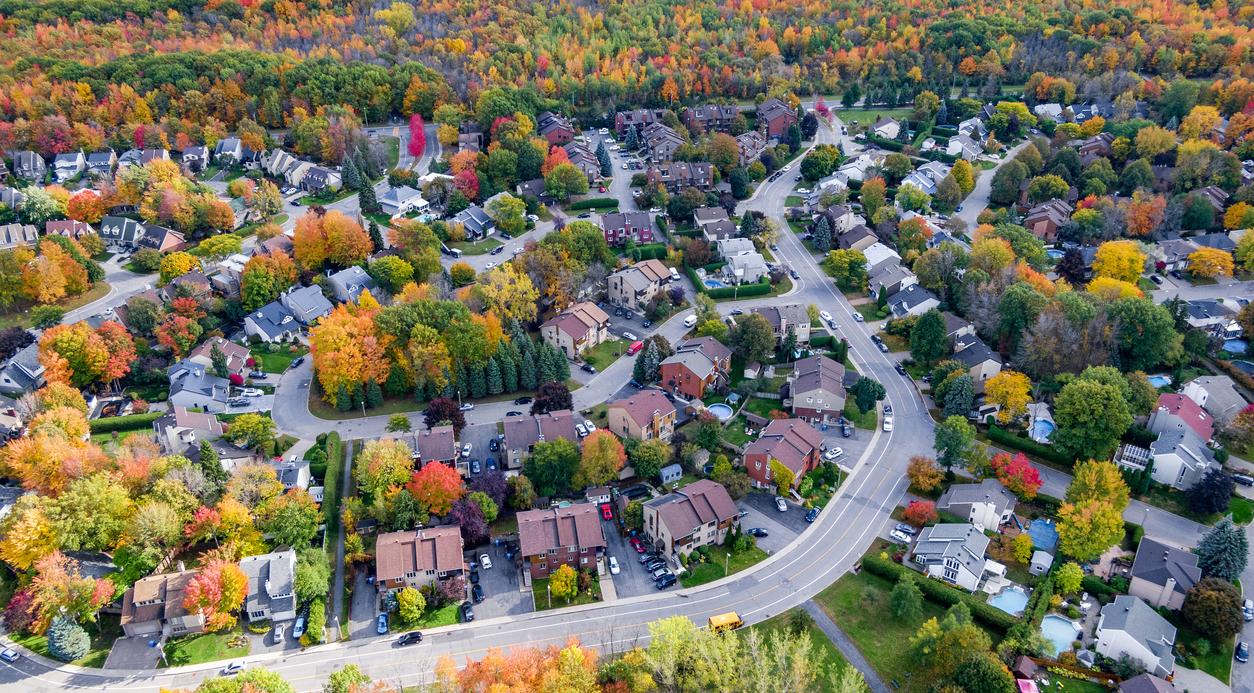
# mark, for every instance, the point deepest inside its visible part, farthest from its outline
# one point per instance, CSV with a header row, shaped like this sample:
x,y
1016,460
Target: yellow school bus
x,y
727,621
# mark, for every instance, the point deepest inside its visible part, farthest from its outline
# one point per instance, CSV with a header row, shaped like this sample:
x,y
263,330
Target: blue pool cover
x,y
1044,536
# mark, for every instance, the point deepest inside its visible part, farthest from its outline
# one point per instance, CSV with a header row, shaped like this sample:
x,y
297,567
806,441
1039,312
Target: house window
x,y
542,566
583,561
951,574
258,614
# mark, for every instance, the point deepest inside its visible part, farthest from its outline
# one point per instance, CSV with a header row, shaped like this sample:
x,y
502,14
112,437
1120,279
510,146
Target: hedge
x,y
1000,435
938,155
650,251
134,422
593,203
1096,586
744,291
884,143
821,340
942,593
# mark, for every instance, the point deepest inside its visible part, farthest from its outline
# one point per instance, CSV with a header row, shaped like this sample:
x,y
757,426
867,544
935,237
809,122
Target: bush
x,y
942,593
1000,435
258,627
133,422
593,203
1096,586
314,630
745,291
651,251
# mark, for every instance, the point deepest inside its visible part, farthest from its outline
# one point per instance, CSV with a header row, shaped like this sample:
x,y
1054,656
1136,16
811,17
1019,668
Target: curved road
x,y
828,548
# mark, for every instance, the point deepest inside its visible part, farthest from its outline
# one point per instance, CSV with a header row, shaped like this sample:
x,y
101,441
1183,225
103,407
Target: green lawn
x,y
1064,684
326,198
19,315
869,310
794,201
476,247
867,117
443,616
605,353
539,591
701,573
102,636
1217,663
762,407
393,145
276,362
894,342
391,405
105,438
734,431
826,656
205,647
865,421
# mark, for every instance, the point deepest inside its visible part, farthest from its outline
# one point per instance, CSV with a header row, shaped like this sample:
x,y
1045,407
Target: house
x,y
532,188
1218,241
775,117
1181,458
271,586
154,606
842,218
927,176
23,373
661,141
1174,412
782,319
750,145
1050,111
1217,198
193,284
1046,218
745,267
633,287
305,303
237,357
182,428
470,141
523,432
698,366
734,246
1146,683
68,165
101,163
584,159
703,216
11,197
281,243
1217,316
418,557
860,237
194,387
638,119
670,474
160,239
676,176
973,128
1093,148
891,279
196,158
1217,395
576,329
1174,253
816,391
475,221
857,167
150,155
555,128
953,552
877,254
887,128
699,514
436,444
402,200
70,228
271,323
618,227
987,505
709,118
230,456
912,300
956,327
15,234
129,158
229,151
1128,626
349,283
793,442
982,362
646,415
1162,575
559,536
318,179
28,165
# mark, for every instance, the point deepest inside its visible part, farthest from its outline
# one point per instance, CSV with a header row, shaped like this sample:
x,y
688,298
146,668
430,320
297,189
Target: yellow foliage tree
x,y
1112,289
1011,391
1119,260
1211,262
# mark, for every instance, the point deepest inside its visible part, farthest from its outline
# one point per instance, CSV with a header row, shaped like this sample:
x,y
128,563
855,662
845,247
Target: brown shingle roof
x,y
788,440
818,373
521,432
164,594
577,525
578,319
641,406
693,506
436,444
417,551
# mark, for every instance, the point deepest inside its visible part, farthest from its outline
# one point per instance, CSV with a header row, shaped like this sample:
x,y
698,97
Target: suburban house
x,y
1218,396
1181,458
775,117
927,176
271,586
956,327
152,154
1129,626
271,323
182,428
637,119
618,227
1174,253
973,128
699,514
782,319
987,505
1218,241
402,200
475,221
744,267
709,118
70,228
704,216
28,165
646,415
555,128
1049,111
292,473
698,366
1215,196
793,442
579,327
953,552
816,390
305,303
964,147
661,141
878,254
15,234
523,432
318,179
859,237
101,163
569,536
194,387
230,456
193,284
1217,316
1046,218
1174,412
583,159
436,444
982,362
11,197
122,233
635,286
66,166
1147,683
236,356
886,127
1162,575
154,606
912,300
231,148
195,158
418,557
891,279
349,283
678,175
750,145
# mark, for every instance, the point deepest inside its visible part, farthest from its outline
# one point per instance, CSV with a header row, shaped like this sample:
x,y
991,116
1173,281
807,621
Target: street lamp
x,y
548,588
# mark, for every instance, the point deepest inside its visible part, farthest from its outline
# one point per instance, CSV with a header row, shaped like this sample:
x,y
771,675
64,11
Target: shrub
x,y
67,641
133,422
942,593
593,203
1000,435
314,630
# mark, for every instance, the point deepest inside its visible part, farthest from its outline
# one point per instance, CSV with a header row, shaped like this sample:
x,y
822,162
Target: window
x,y
542,566
583,561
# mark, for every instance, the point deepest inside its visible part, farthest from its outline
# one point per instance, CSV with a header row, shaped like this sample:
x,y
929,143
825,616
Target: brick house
x,y
560,536
646,415
638,119
699,514
413,558
620,226
774,118
709,117
1045,219
793,316
816,389
697,366
793,442
555,128
579,327
676,176
236,356
635,286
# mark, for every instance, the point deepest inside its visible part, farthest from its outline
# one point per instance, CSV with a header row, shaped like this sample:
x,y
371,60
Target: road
x,y
1189,292
977,201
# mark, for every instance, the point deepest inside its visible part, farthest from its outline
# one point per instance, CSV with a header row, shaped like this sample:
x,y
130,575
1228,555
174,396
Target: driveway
x,y
479,436
262,403
259,644
363,609
632,580
133,653
502,591
760,511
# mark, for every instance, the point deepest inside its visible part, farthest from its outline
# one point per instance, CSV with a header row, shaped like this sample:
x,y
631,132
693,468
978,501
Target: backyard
x,y
278,361
540,593
736,561
206,647
482,247
102,636
604,354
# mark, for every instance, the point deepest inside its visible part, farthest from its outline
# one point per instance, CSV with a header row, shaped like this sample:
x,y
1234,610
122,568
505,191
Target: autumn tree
x,y
74,354
329,238
923,473
1144,213
265,277
603,456
919,513
1009,390
348,350
509,293
217,592
1211,263
436,486
381,465
562,583
1017,474
179,334
177,264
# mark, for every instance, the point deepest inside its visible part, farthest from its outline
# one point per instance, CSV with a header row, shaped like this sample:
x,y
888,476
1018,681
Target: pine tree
x,y
478,381
218,358
509,371
527,375
350,175
493,373
397,383
545,370
343,400
748,225
374,394
359,396
463,381
369,202
376,236
367,167
211,466
639,373
822,238
631,140
650,363
1222,552
560,364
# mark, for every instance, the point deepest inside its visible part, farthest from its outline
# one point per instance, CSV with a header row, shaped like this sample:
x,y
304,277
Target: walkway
x,y
846,646
337,598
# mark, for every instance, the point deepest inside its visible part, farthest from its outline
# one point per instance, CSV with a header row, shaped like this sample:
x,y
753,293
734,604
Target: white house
x,y
66,166
954,553
271,586
887,128
927,176
1128,626
403,200
878,254
987,505
964,147
912,300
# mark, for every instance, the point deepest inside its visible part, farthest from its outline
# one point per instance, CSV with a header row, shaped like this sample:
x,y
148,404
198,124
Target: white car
x,y
604,131
233,668
466,450
827,317
590,426
655,210
583,432
888,424
466,407
10,655
249,392
803,191
485,561
614,569
614,147
489,266
781,504
624,167
833,454
532,218
899,537
787,167
857,317
629,336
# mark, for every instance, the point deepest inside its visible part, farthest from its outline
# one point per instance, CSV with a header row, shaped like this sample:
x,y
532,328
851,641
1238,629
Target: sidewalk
x,y
846,646
337,589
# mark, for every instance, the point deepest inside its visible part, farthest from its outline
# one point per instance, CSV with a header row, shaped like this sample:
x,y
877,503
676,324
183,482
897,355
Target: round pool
x,y
1060,631
1235,346
721,411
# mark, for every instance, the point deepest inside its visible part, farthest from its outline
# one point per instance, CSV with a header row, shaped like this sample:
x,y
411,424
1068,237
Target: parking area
x,y
501,585
782,528
632,580
480,436
853,446
363,608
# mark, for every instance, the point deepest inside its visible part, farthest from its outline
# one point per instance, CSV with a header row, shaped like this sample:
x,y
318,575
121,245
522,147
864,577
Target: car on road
x,y
588,368
604,131
607,511
647,324
532,218
882,347
758,532
497,250
899,537
900,369
409,638
467,612
665,581
614,569
513,412
474,466
787,167
1243,652
636,544
827,317
489,265
522,400
888,424
1248,610
486,561
736,311
233,668
9,655
794,274
857,317
381,624
888,408
1243,479
775,247
812,515
832,454
905,528
781,504
237,402
466,407
466,450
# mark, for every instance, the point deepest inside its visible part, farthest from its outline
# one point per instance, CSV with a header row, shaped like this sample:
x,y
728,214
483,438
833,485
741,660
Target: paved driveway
x,y
479,436
133,653
760,511
363,609
501,587
632,580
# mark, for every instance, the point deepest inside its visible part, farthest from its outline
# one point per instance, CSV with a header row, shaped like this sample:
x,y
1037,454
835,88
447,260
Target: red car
x,y
606,511
637,544
601,189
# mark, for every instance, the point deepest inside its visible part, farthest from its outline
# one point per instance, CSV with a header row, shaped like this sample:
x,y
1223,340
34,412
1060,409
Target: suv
x,y
665,581
410,638
467,612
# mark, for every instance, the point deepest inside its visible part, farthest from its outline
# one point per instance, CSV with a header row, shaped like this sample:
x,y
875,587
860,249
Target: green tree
x,y
551,466
783,477
1090,419
67,641
313,575
346,680
983,672
959,396
648,457
409,606
928,339
906,599
399,423
252,430
563,582
753,339
1068,578
1213,608
953,438
1223,551
866,392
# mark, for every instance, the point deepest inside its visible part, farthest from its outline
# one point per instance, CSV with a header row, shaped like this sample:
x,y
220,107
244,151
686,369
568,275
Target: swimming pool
x,y
1236,346
1054,254
713,284
1042,430
1060,631
1011,600
1159,380
720,411
1245,366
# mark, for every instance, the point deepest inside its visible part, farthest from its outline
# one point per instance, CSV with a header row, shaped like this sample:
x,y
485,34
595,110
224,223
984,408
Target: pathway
x,y
846,646
337,600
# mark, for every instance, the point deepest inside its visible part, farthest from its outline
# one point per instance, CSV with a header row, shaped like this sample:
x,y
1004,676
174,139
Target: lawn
x,y
276,362
19,316
1217,663
105,438
866,117
794,201
825,655
205,647
394,149
762,407
734,431
539,592
869,310
895,343
865,421
605,353
476,247
391,405
1242,510
1064,684
101,641
325,198
443,616
736,561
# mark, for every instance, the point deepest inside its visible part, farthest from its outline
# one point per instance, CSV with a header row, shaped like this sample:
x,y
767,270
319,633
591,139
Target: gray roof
x,y
1146,683
1222,400
957,540
911,297
351,281
475,220
1156,563
818,373
1136,618
971,351
186,376
1219,241
271,579
987,491
24,367
270,319
306,303
1185,442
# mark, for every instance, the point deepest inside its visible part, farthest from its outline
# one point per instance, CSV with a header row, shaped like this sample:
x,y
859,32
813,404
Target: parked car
x,y
381,624
637,544
1243,479
466,450
296,362
658,573
832,454
585,215
647,324
494,445
474,466
827,317
899,537
409,638
298,629
486,561
587,423
629,336
579,429
513,413
758,532
257,375
1157,279
846,431
466,407
532,218
614,569
523,400
781,504
588,368
237,402
665,581
1248,609
491,461
900,369
474,577
882,347
476,593
497,250
607,511
278,632
467,612
812,515
1243,652
655,563
905,528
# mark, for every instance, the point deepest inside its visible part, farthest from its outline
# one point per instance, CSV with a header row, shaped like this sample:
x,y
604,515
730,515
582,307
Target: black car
x,y
494,445
758,532
467,612
588,368
647,324
409,638
794,274
296,362
1243,479
812,515
523,400
634,384
237,402
846,431
474,577
646,557
899,368
476,593
497,250
513,413
665,581
585,215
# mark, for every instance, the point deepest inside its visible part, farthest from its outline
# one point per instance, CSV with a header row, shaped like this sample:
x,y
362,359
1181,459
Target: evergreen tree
x,y
651,363
493,375
463,381
211,466
631,140
218,358
376,236
374,394
350,176
359,396
927,340
397,383
343,399
790,343
545,369
748,225
822,238
960,396
527,375
560,364
793,138
368,202
1222,552
509,371
639,373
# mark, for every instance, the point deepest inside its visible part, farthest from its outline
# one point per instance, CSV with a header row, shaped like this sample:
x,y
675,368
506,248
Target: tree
x,y
919,513
92,513
509,292
1006,181
959,396
906,599
1098,480
1021,545
217,591
1017,474
59,589
1213,608
982,671
264,278
313,575
1047,187
923,473
177,264
601,459
1067,579
436,486
391,272
552,396
1223,551
509,213
522,495
251,430
1009,390
291,519
329,238
351,679
444,411
1086,530
410,605
928,340
953,438
1091,418
1121,260
1211,494
565,180
866,392
1211,263
1146,335
563,583
26,533
468,515
399,423
381,465
873,195
67,641
487,507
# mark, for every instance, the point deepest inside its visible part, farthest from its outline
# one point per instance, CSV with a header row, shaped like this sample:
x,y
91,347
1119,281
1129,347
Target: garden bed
x,y
736,561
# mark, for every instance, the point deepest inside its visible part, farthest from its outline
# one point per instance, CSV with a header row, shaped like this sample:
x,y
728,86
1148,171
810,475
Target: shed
x,y
1041,562
1024,667
671,473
